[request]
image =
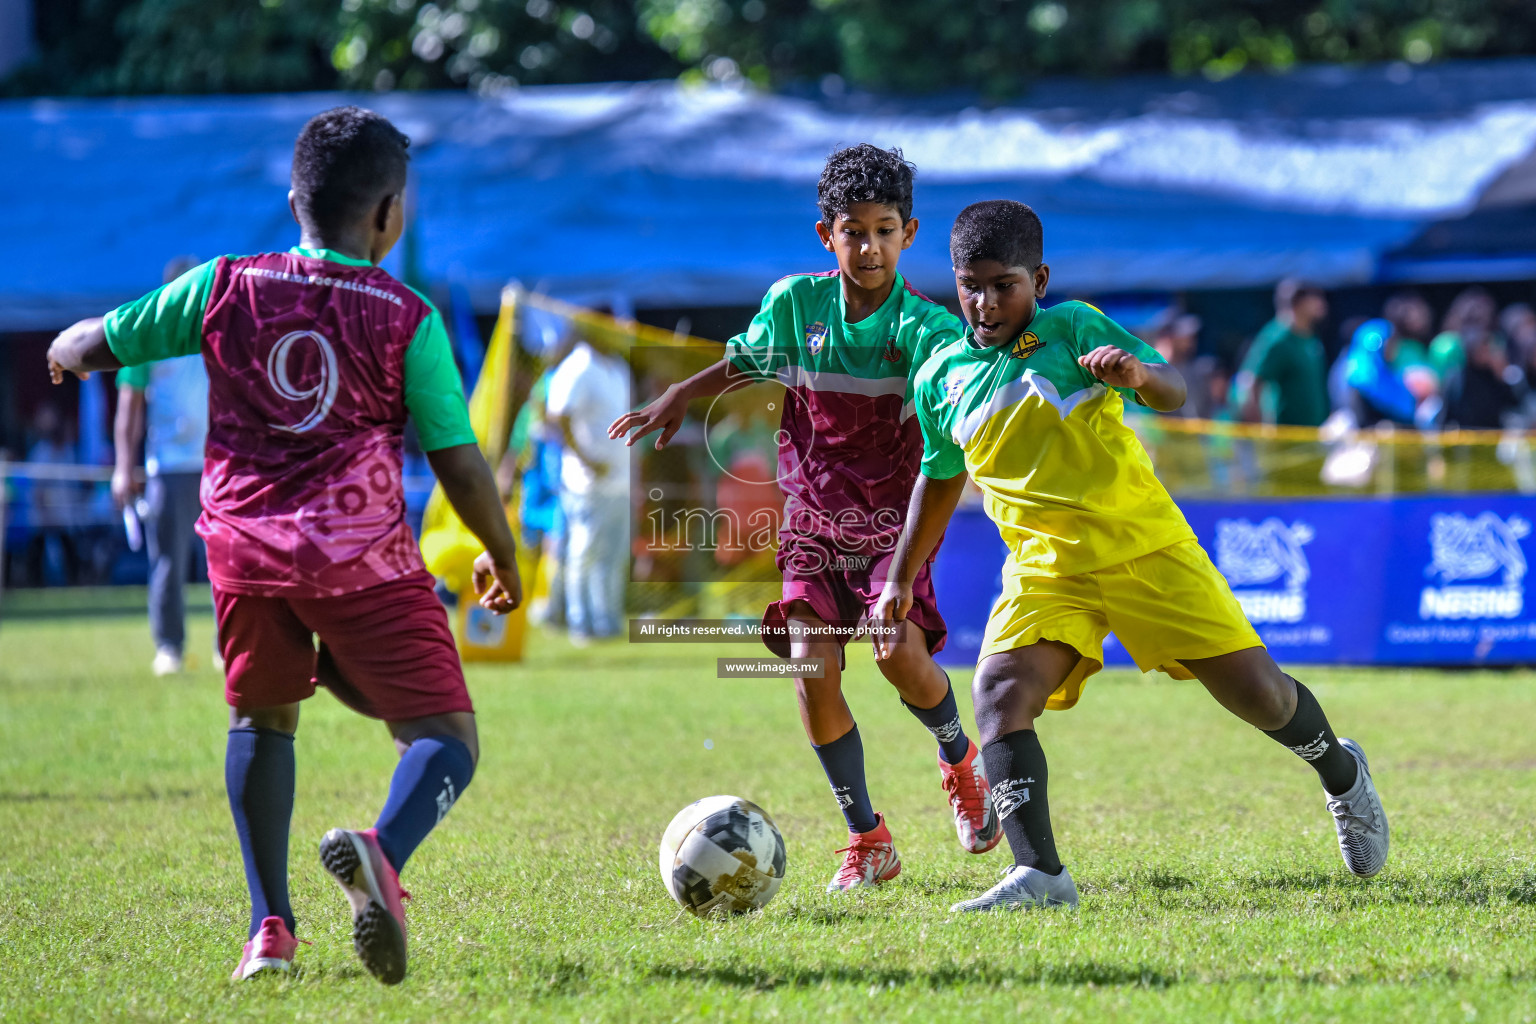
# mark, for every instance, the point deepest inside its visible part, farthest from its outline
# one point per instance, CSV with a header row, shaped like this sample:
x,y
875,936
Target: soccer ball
x,y
722,855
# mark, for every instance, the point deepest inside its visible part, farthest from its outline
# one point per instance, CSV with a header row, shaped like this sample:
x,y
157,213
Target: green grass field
x,y
1212,885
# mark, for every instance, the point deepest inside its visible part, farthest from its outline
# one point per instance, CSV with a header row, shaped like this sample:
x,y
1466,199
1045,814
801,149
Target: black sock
x,y
1016,769
843,761
259,776
1309,736
943,720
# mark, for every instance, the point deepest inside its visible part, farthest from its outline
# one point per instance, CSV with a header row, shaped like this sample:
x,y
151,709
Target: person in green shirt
x,y
1283,378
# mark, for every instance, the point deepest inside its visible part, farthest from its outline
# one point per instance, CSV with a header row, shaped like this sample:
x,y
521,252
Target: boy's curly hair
x,y
864,174
345,160
997,229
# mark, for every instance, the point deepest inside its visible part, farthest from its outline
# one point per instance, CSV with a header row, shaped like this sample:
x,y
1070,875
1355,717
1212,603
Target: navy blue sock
x,y
943,720
429,778
259,775
843,761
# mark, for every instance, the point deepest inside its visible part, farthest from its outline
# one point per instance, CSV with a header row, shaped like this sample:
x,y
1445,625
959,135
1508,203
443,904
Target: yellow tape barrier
x,y
1202,458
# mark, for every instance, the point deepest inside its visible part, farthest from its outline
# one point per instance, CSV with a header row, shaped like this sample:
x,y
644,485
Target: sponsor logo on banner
x,y
1485,549
1251,555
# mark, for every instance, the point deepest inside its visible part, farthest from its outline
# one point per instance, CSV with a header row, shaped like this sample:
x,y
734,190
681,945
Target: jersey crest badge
x,y
1027,345
954,387
892,354
815,337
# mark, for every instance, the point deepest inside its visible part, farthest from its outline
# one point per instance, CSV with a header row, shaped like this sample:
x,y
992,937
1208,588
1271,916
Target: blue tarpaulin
x,y
658,194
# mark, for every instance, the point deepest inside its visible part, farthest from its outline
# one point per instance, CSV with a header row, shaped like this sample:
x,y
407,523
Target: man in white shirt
x,y
588,391
165,405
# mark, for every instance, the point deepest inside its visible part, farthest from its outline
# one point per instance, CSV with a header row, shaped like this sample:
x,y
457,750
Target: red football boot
x,y
357,862
871,859
970,797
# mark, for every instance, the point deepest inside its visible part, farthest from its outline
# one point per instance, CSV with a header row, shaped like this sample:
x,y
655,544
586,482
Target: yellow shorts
x,y
1164,606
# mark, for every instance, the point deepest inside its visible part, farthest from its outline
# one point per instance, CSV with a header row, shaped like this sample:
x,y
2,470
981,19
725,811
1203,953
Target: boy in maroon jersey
x,y
315,358
846,344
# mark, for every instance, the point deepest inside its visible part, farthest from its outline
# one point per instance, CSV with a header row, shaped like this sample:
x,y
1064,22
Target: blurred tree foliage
x,y
994,47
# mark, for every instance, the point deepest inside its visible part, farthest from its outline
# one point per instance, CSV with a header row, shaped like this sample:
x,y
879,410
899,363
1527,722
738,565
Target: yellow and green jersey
x,y
1068,483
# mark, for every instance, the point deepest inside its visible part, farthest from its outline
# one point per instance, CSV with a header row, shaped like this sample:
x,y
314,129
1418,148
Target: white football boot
x,y
1359,820
1026,888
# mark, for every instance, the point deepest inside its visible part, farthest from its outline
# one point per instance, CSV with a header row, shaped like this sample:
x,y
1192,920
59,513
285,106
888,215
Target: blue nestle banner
x,y
1408,581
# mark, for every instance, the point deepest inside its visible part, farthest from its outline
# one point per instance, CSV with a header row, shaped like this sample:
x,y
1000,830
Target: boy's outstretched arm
x,y
666,413
471,490
1160,386
81,350
933,502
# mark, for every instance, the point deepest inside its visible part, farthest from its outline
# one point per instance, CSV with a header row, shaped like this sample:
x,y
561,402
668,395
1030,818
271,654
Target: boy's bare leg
x,y
1011,687
914,673
259,776
823,711
458,724
828,722
871,854
925,690
1249,684
1010,691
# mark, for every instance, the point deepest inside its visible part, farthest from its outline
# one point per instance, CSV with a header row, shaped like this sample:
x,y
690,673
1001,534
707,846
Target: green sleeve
x,y
434,395
942,458
1093,329
760,353
941,328
135,377
165,323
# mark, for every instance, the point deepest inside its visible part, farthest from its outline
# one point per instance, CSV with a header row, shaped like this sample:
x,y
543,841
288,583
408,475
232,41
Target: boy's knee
x,y
905,658
457,725
281,718
813,689
1023,694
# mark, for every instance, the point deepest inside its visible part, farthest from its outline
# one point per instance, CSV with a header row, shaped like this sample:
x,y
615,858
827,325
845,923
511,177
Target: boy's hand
x,y
892,607
76,347
665,413
1115,367
499,586
56,372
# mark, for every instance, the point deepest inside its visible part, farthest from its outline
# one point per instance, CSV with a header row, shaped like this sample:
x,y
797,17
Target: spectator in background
x,y
588,391
1518,322
1179,342
1467,323
1283,378
1379,384
534,460
53,506
1492,387
165,405
1413,322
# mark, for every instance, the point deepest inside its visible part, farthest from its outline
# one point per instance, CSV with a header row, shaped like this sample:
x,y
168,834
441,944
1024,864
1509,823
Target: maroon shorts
x,y
386,651
842,588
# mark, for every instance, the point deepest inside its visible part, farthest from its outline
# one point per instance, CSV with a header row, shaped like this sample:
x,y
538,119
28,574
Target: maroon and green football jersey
x,y
850,445
314,361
